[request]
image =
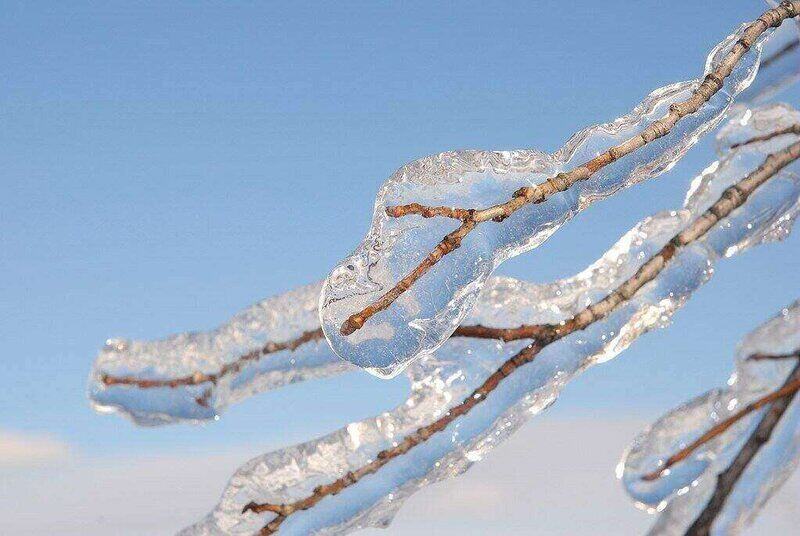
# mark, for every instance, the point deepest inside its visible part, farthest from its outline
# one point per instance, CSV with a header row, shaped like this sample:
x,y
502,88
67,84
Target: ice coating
x,y
168,358
442,380
133,377
425,315
780,64
685,491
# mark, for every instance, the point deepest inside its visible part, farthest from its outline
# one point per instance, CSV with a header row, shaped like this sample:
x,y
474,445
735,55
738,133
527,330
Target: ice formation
x,y
442,380
425,315
779,64
280,319
156,382
685,491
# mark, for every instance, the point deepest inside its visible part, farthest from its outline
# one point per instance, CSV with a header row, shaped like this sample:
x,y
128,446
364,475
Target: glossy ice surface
x,y
441,380
686,489
423,317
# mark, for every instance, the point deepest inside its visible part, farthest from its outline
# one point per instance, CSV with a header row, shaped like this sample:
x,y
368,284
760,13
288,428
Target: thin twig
x,y
710,85
726,481
479,331
229,368
790,388
197,378
769,357
778,54
732,198
429,212
791,129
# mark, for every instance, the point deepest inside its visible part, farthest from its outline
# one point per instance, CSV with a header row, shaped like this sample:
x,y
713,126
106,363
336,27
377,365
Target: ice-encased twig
x,y
322,487
753,456
125,367
779,64
194,376
421,312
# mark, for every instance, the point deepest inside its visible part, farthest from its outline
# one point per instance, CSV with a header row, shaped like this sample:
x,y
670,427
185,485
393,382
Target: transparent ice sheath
x,y
284,318
279,319
423,317
684,492
780,64
443,379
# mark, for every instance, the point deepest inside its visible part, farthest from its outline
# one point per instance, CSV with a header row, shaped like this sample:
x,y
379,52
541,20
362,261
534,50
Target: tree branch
x,y
766,357
726,481
230,368
732,198
429,212
197,378
778,54
710,85
789,389
791,129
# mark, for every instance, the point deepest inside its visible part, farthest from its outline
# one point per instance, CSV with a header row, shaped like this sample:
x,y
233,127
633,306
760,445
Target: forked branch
x,y
471,218
544,335
726,481
788,390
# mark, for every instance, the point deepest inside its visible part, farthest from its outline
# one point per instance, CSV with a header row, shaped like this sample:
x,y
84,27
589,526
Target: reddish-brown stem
x,y
720,428
711,84
503,334
449,243
732,198
230,368
727,480
476,331
791,129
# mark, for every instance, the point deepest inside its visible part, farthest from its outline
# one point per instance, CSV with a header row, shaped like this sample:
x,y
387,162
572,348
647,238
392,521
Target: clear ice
x,y
683,493
443,379
284,318
279,319
423,317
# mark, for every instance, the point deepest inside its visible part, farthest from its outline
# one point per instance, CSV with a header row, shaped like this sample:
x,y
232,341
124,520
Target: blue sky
x,y
165,165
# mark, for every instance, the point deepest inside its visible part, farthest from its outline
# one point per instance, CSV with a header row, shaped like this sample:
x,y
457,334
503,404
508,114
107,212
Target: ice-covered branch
x,y
408,308
194,376
474,392
712,463
779,66
786,50
727,481
787,390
